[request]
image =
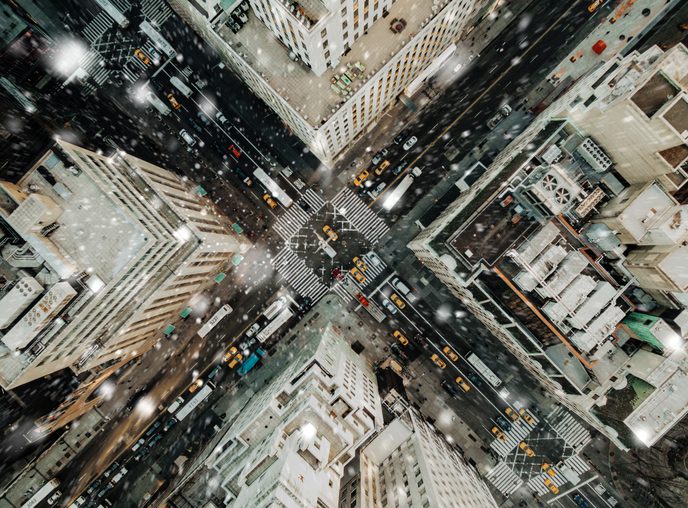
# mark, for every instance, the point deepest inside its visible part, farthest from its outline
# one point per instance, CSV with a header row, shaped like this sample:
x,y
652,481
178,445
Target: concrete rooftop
x,y
311,95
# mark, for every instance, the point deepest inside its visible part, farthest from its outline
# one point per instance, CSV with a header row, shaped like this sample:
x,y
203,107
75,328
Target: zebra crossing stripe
x,y
341,292
365,220
301,278
504,479
517,433
98,25
156,11
314,199
572,432
578,465
291,222
372,268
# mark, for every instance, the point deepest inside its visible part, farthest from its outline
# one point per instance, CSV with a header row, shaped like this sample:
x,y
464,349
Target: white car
x,y
500,115
403,289
373,259
389,306
221,117
188,138
252,331
55,497
410,142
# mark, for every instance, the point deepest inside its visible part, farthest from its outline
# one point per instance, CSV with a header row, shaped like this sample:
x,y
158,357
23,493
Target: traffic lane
x,y
489,394
234,96
127,429
517,65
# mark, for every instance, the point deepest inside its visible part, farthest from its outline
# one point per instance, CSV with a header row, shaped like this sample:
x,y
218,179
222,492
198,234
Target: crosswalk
x,y
133,72
504,479
578,465
365,220
99,24
519,430
92,63
300,277
569,429
373,269
314,199
290,222
156,11
537,482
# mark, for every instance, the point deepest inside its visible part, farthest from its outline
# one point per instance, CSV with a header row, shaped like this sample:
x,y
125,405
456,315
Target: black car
x,y
475,379
401,137
503,423
451,388
402,166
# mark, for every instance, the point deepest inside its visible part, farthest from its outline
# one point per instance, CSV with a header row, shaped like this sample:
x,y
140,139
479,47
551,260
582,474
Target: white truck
x,y
394,197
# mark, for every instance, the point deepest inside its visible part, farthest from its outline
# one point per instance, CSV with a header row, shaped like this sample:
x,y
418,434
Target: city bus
x,y
483,370
42,493
274,325
194,402
179,85
158,40
272,187
217,317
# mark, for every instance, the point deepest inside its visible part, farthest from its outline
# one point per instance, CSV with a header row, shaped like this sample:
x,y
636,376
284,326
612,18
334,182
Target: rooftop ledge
x,y
312,96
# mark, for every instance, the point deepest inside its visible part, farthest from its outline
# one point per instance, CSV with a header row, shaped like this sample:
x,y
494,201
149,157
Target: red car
x,y
235,151
337,274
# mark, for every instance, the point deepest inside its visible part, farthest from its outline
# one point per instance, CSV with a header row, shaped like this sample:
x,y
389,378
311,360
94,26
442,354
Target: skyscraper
x,y
410,464
526,251
330,69
99,253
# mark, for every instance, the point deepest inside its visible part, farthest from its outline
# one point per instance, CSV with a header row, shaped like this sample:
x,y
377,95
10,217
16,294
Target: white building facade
x,y
118,247
410,464
292,441
342,67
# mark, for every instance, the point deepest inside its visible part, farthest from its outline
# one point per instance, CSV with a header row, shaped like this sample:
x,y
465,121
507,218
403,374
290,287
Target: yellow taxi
x,y
550,485
526,416
398,301
228,355
138,53
381,168
451,354
360,264
526,449
271,202
195,385
463,384
362,177
400,337
549,469
358,275
438,361
330,232
511,413
236,360
173,101
498,434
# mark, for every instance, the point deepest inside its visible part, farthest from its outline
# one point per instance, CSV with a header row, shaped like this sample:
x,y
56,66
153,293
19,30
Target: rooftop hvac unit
x,y
555,190
552,154
594,155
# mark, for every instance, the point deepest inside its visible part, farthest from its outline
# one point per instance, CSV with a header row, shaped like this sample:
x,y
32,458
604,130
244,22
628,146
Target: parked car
x,y
389,306
410,142
188,138
400,167
399,138
400,286
500,115
379,156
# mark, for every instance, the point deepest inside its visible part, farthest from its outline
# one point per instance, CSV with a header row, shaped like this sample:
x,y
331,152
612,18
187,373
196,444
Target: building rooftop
x,y
313,96
103,242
